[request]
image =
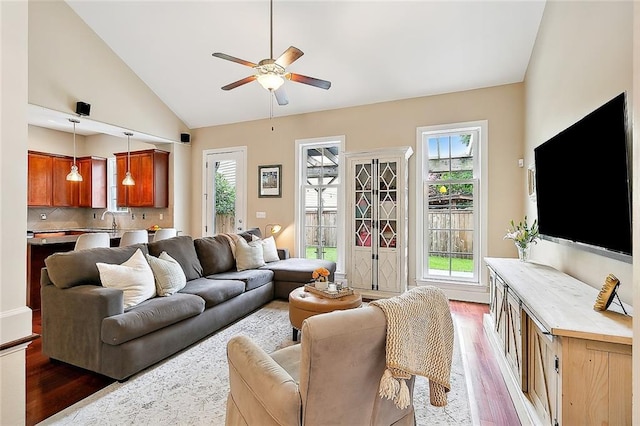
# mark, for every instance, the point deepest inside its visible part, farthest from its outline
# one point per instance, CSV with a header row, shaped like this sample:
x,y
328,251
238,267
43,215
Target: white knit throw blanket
x,y
419,342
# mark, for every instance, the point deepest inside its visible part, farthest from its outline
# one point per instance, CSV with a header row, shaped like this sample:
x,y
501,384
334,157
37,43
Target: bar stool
x,y
92,240
164,233
134,237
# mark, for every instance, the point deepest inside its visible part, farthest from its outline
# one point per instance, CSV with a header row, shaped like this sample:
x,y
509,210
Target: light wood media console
x,y
564,362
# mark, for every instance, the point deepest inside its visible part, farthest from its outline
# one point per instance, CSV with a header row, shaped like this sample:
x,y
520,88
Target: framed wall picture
x,y
531,182
270,181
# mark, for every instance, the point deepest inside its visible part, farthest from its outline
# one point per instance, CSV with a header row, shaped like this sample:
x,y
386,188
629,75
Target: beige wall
x,y
582,58
15,317
389,124
68,62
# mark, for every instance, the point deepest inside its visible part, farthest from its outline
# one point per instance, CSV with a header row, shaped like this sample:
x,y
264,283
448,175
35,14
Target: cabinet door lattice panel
x,y
377,213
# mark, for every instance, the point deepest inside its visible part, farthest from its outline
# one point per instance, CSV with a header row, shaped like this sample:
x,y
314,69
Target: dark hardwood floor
x,y
53,386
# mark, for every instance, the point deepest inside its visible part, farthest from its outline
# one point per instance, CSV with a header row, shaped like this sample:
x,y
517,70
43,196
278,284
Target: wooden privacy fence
x,y
329,231
459,240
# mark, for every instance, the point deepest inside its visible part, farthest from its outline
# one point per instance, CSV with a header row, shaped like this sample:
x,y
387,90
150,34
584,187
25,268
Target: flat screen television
x,y
583,183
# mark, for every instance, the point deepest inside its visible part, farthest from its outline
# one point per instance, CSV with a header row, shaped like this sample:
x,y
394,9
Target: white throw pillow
x,y
249,255
134,277
270,251
168,273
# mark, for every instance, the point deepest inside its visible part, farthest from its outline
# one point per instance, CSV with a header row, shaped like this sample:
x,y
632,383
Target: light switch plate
x,y
261,215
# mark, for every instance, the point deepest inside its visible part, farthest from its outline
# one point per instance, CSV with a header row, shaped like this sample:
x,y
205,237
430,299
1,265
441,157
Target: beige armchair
x,y
330,378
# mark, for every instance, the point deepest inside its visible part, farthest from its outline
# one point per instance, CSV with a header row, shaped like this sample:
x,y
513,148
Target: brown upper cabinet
x,y
47,184
150,171
39,177
93,188
65,193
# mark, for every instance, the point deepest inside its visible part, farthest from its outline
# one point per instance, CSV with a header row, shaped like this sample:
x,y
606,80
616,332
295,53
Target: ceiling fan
x,y
270,72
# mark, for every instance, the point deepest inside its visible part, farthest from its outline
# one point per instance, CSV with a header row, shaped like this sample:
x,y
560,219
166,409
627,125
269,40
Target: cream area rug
x,y
191,387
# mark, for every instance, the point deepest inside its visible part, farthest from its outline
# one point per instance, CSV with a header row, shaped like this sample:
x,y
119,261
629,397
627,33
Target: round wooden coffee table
x,y
304,304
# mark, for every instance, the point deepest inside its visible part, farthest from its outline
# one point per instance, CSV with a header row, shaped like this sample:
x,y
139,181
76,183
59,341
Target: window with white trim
x,y
449,205
112,187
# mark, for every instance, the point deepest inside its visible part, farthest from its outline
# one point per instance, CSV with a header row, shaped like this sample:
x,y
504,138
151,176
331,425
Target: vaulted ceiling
x,y
371,51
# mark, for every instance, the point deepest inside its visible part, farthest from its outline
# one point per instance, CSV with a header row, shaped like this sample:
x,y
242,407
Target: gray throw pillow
x,y
250,233
215,254
180,248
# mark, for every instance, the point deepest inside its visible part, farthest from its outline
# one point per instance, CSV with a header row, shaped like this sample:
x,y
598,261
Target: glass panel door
x,y
321,203
225,199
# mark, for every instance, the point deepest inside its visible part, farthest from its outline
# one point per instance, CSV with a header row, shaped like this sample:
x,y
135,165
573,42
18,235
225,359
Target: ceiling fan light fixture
x,y
270,81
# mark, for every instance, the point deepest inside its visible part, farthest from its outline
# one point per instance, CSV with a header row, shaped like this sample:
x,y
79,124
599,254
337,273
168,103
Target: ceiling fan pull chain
x,y
271,106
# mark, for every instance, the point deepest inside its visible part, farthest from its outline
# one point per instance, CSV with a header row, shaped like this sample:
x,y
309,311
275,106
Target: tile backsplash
x,y
69,218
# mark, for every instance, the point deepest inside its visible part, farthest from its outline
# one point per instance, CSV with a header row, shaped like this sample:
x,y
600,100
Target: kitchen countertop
x,y
72,238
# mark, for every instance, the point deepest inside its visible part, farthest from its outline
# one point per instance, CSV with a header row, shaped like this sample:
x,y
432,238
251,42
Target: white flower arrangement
x,y
522,235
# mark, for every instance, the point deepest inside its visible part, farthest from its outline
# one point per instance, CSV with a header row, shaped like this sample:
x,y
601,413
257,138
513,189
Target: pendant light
x,y
74,175
128,179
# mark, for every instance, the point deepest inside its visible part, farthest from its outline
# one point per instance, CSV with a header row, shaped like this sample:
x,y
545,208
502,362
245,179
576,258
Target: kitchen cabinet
x,y
150,170
377,185
564,362
39,189
47,184
93,188
64,193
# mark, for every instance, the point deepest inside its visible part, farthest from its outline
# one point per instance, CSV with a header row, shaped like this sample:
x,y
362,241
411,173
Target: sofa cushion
x,y
149,316
181,249
252,278
215,254
214,292
296,269
73,268
168,274
134,277
249,255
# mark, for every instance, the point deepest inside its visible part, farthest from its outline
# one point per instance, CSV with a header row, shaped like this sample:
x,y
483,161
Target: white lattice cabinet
x,y
377,193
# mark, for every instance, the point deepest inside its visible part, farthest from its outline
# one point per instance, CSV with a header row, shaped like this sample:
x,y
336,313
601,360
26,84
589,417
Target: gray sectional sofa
x,y
85,323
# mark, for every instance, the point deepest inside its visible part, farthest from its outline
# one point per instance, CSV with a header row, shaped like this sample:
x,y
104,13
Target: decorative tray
x,y
328,294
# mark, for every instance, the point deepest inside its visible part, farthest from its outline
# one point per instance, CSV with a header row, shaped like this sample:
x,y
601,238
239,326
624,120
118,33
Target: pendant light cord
x,y
74,121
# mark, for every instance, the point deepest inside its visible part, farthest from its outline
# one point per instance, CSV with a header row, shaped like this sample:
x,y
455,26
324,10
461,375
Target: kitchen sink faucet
x,y
114,224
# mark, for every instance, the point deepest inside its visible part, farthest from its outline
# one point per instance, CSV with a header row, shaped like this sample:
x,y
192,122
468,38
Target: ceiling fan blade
x,y
289,56
323,84
234,59
281,96
239,83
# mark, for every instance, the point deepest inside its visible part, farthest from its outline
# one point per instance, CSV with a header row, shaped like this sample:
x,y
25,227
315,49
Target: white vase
x,y
523,253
